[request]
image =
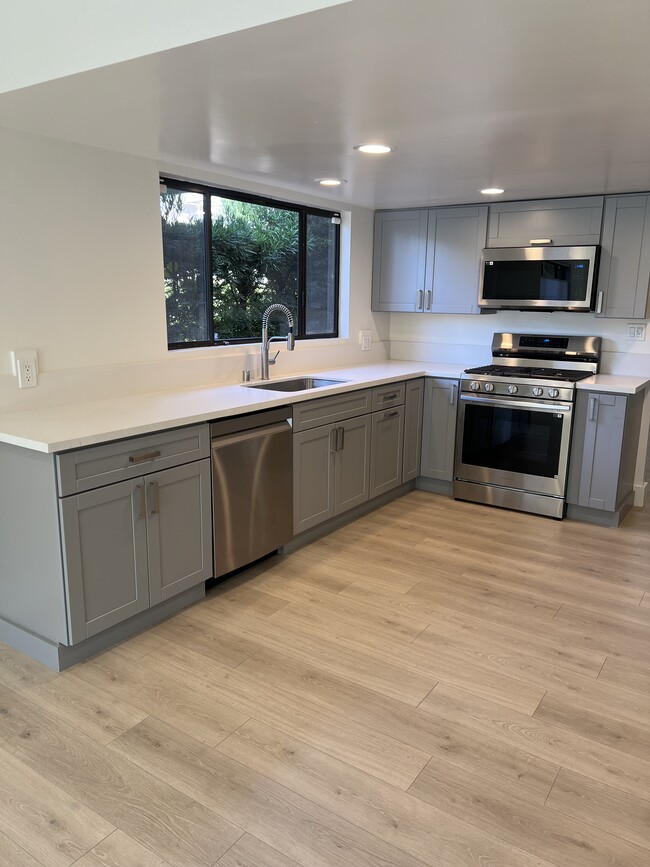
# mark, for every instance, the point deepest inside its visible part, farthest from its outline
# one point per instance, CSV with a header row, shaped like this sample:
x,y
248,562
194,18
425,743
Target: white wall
x,y
467,339
82,281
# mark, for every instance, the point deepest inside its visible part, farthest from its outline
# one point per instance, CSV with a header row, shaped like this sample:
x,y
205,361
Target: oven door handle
x,y
514,403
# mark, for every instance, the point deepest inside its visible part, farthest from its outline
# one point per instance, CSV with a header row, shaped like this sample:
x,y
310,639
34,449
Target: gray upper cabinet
x,y
428,261
455,240
412,429
561,222
624,276
399,256
439,428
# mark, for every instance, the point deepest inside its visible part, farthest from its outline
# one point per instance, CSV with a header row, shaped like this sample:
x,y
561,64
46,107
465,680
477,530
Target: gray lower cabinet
x,y
604,450
439,428
134,543
428,261
624,275
413,406
386,450
331,470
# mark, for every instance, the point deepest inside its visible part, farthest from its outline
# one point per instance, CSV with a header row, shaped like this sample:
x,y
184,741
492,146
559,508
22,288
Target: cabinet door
x,y
386,450
455,241
438,429
105,556
562,221
313,477
412,429
624,274
604,425
179,529
352,464
398,261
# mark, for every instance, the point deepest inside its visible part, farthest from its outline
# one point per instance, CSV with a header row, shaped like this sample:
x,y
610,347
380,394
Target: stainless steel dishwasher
x,y
252,487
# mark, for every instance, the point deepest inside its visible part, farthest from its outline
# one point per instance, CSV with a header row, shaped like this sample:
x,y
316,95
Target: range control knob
x,y
537,391
512,389
488,386
553,392
475,386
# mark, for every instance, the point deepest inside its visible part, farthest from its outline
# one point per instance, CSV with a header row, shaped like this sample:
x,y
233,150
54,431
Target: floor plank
x,y
614,811
401,692
396,817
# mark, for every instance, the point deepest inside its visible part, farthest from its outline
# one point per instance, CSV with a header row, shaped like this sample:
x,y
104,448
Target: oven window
x,y
514,440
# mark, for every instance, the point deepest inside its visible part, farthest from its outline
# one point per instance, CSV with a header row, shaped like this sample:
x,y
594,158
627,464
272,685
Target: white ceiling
x,y
543,99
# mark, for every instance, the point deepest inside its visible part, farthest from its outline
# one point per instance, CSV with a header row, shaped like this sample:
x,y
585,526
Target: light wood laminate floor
x,y
438,683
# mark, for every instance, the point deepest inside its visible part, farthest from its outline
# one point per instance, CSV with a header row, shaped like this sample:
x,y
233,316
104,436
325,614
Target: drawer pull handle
x,y
392,396
541,240
391,414
140,459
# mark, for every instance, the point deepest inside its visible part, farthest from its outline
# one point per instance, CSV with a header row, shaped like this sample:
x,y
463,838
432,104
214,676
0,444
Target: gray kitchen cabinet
x,y
138,540
624,275
455,241
386,450
439,428
603,452
562,222
399,255
428,261
331,470
413,406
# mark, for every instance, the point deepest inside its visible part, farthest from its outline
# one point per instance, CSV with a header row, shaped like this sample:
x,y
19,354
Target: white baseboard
x,y
640,494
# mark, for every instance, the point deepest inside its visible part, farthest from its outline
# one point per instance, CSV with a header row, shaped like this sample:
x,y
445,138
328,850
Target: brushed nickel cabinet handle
x,y
541,240
593,408
599,302
155,507
142,505
428,295
391,414
148,456
392,396
334,439
452,393
419,304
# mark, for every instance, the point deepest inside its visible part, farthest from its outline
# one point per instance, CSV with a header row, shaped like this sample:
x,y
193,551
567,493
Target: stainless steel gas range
x,y
514,421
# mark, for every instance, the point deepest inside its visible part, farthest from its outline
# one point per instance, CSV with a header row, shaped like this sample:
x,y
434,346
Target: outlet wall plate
x,y
24,364
636,330
365,339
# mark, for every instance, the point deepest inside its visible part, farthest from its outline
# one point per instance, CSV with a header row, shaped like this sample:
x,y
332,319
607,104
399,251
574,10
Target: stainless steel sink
x,y
302,383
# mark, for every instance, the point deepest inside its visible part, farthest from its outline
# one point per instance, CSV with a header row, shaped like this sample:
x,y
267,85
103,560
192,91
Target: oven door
x,y
521,444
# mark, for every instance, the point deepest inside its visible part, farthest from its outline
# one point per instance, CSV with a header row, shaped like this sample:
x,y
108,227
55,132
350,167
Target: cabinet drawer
x,y
324,410
95,466
385,396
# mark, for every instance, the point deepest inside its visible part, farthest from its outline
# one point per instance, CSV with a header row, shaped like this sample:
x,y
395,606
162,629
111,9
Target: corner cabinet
x,y
439,429
428,261
603,455
134,535
624,276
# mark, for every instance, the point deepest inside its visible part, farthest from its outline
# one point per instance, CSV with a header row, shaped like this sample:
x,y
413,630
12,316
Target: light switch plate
x,y
365,339
636,330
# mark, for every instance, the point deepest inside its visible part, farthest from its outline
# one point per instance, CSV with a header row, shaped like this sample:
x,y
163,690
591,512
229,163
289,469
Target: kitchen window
x,y
227,256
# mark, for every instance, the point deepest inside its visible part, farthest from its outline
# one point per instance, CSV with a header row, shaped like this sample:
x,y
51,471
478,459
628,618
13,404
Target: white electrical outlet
x,y
635,331
365,339
24,364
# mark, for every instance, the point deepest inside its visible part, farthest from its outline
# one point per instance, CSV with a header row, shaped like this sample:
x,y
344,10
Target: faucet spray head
x,y
291,340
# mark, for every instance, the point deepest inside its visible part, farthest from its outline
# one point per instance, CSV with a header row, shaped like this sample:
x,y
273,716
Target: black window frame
x,y
207,191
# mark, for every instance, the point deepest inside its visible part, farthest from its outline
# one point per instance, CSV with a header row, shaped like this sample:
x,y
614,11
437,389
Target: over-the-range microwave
x,y
539,278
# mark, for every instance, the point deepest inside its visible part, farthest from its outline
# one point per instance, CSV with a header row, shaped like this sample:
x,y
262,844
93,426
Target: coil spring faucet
x,y
266,340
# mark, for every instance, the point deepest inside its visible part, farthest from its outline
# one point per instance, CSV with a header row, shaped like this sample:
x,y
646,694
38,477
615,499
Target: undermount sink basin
x,y
302,383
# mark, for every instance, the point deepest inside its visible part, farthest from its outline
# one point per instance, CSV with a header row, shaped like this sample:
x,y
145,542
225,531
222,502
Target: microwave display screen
x,y
562,281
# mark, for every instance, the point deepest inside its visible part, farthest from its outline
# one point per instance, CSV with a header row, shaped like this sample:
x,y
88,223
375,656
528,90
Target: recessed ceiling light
x,y
492,191
330,182
374,148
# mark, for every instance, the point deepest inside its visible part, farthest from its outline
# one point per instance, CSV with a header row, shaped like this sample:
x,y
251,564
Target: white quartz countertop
x,y
615,384
59,428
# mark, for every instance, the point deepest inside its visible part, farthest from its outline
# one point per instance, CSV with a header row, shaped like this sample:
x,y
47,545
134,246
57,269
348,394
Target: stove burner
x,y
531,372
